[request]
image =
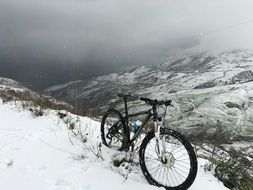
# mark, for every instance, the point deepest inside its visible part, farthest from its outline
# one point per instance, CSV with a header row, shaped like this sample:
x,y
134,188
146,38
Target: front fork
x,y
160,143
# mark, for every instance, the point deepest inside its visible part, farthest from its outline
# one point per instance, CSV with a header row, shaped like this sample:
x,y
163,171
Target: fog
x,y
53,41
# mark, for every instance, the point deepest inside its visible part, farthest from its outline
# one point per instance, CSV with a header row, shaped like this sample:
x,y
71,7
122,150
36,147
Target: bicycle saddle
x,y
124,95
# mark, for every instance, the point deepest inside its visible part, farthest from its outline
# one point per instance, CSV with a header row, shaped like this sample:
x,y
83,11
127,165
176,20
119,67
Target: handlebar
x,y
156,102
148,101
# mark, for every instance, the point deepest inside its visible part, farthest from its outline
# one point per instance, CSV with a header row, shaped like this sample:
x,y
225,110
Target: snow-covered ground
x,y
42,153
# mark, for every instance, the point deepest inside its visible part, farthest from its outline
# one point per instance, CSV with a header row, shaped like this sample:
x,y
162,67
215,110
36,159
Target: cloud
x,y
110,35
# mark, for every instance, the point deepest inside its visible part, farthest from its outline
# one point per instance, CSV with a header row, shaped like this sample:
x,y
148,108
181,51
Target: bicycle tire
x,y
173,157
110,118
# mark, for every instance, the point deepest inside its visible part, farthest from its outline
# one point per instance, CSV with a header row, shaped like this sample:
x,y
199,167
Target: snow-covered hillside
x,y
195,72
11,90
9,84
42,153
211,93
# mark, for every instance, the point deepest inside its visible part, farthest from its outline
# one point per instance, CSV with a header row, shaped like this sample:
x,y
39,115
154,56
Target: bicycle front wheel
x,y
176,168
113,130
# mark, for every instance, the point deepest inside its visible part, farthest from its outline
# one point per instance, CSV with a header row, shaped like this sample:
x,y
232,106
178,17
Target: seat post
x,y
154,113
126,110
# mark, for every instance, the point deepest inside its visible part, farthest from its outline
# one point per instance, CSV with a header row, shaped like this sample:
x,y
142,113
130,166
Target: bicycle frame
x,y
126,119
150,113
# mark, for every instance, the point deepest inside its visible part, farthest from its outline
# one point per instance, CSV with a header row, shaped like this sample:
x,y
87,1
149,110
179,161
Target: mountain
x,y
213,93
195,72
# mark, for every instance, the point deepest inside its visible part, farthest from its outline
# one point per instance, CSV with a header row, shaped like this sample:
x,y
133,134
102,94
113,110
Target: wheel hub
x,y
168,159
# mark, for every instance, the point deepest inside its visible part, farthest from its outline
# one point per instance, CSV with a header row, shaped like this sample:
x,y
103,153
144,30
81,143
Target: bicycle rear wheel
x,y
178,169
114,130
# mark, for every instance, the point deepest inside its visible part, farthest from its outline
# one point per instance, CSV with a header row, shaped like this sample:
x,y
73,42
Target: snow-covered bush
x,y
233,174
37,111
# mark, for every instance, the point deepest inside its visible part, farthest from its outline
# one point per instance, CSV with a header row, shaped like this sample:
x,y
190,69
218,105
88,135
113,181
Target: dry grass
x,y
30,99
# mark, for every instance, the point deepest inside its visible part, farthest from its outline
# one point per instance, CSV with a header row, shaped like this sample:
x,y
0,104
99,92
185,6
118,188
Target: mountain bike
x,y
167,159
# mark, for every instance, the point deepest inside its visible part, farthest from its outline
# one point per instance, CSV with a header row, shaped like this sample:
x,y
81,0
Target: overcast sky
x,y
102,36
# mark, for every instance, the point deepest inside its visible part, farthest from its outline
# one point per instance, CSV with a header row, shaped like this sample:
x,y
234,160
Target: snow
x,y
6,88
7,81
9,84
62,86
42,153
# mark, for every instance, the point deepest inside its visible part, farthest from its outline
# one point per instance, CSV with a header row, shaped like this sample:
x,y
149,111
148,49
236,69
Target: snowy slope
x,y
41,153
